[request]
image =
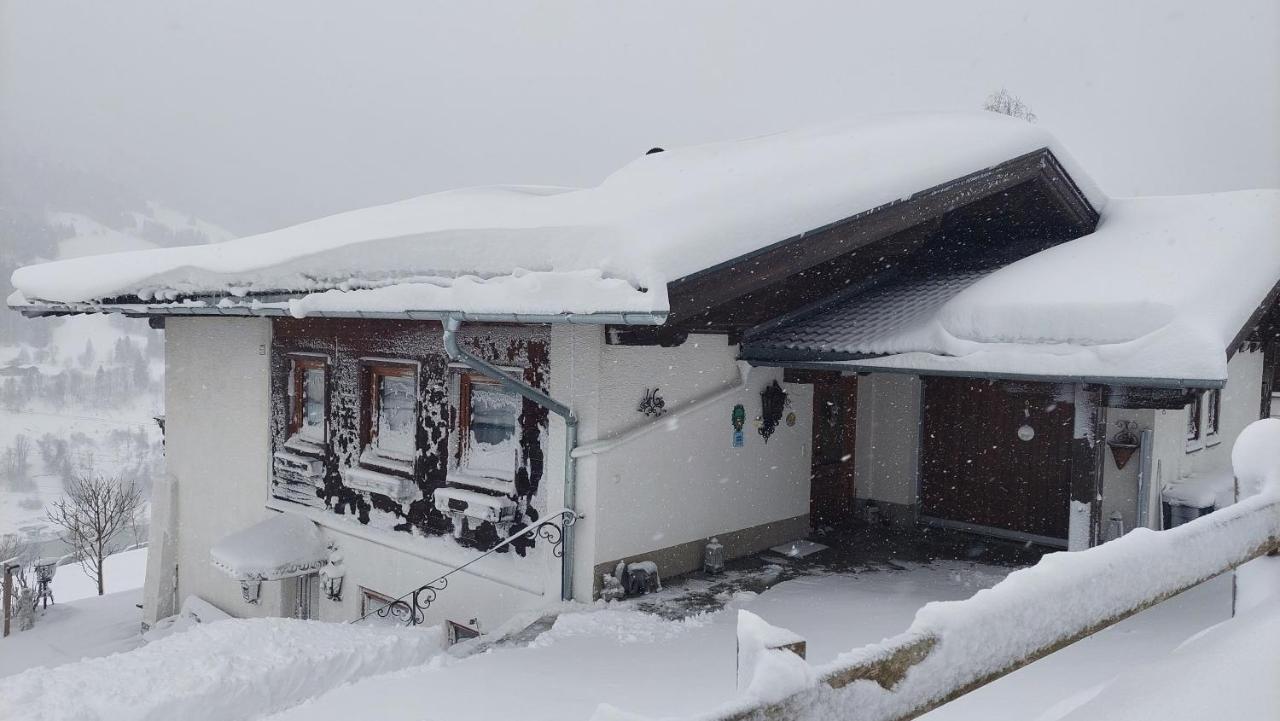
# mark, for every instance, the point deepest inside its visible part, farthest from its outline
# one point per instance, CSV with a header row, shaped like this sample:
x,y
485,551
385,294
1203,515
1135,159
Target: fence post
x,y
8,594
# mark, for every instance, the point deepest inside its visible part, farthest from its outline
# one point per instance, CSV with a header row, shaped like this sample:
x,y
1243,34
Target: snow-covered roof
x,y
610,248
282,546
1157,293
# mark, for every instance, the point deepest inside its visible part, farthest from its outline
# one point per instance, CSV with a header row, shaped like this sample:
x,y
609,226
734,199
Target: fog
x,y
255,115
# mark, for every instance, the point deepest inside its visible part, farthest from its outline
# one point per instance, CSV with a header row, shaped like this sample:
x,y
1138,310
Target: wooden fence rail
x,y
957,647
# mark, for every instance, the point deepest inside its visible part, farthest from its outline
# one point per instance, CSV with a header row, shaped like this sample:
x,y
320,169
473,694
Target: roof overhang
x,y
276,308
856,366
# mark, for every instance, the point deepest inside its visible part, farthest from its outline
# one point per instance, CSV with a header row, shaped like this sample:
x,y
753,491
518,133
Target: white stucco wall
x,y
217,447
218,457
684,481
886,459
1172,457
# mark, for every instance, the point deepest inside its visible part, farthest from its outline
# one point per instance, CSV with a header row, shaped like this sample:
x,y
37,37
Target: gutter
x,y
452,324
853,366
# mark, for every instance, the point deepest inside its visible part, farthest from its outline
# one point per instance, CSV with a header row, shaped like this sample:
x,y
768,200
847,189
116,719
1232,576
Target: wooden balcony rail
x,y
954,648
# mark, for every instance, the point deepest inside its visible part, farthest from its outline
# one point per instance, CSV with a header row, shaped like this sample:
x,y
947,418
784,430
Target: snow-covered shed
x,y
726,340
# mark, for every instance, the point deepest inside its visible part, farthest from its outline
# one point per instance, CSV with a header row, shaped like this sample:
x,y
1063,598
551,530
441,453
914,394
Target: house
x,y
912,319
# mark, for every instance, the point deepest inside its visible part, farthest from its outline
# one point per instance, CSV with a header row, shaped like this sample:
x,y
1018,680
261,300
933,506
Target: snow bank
x,y
1255,457
1227,672
767,673
281,546
226,670
658,218
1042,606
1201,490
1159,290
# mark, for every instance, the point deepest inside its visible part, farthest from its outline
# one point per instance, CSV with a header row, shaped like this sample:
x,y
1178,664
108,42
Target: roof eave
x,y
143,310
853,366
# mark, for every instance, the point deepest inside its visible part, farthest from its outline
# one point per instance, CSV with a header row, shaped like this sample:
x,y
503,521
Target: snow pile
x,y
194,611
282,546
1255,457
661,217
226,670
766,672
1201,490
1226,672
1159,290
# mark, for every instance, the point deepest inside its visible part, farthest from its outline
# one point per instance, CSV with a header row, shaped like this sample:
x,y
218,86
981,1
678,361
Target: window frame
x,y
1212,425
372,371
1195,420
299,363
467,380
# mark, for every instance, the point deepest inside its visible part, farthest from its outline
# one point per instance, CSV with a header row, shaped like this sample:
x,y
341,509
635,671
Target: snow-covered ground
x,y
81,624
593,659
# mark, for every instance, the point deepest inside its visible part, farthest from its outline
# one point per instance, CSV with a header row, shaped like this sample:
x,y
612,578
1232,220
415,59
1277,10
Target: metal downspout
x,y
460,355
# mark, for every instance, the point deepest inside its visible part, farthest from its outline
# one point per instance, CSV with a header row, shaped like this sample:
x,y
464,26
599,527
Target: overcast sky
x,y
260,114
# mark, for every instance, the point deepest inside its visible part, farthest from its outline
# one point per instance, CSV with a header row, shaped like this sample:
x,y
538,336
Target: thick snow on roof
x,y
282,546
661,217
1158,291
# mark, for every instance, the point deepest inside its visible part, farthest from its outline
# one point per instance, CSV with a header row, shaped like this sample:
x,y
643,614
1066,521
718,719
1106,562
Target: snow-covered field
x,y
80,623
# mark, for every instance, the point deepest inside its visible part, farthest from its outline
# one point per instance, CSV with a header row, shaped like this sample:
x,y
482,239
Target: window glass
x,y
492,437
397,399
1193,419
311,426
1213,412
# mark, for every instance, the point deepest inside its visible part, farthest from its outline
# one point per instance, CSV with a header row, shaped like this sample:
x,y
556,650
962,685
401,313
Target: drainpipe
x,y
459,355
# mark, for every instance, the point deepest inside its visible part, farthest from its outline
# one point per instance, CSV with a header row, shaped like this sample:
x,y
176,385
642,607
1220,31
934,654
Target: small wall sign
x,y
738,419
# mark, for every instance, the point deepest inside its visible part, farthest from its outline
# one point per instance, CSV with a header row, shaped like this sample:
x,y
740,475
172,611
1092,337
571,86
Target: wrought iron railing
x,y
410,608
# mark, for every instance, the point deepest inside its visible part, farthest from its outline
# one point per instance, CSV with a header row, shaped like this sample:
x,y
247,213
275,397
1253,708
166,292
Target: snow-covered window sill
x,y
381,463
460,477
1195,446
398,488
1212,441
304,446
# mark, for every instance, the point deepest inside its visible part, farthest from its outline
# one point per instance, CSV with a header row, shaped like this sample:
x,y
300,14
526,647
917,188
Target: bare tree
x,y
96,509
1006,103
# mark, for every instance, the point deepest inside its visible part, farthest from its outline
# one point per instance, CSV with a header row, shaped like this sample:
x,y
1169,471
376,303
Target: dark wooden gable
x,y
1014,209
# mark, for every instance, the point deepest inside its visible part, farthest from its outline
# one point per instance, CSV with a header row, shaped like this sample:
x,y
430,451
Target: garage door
x,y
997,455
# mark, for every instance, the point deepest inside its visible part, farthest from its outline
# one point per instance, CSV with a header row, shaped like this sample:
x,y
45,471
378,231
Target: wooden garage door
x,y
977,469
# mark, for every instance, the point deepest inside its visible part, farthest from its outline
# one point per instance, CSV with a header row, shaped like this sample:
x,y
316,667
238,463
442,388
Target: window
x,y
488,427
391,413
1193,419
380,609
1213,413
307,391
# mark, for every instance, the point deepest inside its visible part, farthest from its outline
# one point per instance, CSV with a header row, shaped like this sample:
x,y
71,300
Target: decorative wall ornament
x,y
1124,443
251,589
332,573
772,401
652,404
738,419
791,418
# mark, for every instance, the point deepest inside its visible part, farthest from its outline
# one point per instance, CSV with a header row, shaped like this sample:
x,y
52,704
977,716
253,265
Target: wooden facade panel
x,y
354,350
996,455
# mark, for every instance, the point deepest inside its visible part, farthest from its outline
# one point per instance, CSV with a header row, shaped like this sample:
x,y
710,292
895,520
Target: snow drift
x,y
224,670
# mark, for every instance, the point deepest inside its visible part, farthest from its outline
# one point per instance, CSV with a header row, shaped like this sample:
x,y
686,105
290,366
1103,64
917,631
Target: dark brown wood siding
x,y
976,469
351,346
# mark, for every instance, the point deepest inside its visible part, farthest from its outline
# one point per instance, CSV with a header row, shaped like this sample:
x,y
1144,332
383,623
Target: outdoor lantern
x,y
713,556
250,588
331,575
